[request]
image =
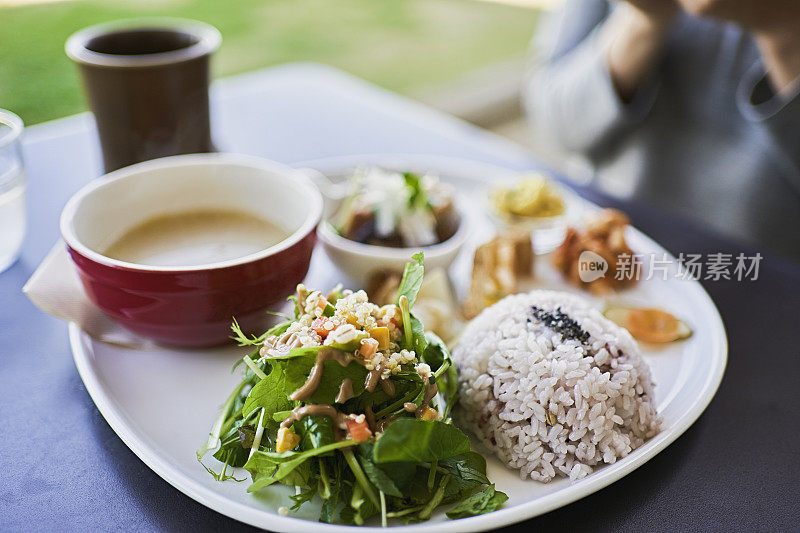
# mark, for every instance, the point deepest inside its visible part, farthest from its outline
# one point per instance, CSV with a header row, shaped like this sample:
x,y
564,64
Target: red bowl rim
x,y
307,187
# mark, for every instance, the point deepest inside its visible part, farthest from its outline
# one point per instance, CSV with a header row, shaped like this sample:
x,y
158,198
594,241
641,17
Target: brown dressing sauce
x,y
345,391
383,422
369,414
315,376
430,391
298,413
373,377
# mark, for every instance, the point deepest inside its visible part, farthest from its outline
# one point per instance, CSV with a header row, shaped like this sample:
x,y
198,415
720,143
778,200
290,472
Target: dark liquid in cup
x,y
138,42
147,106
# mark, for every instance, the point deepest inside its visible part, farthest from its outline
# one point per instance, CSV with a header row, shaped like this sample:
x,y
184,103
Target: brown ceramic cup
x,y
146,82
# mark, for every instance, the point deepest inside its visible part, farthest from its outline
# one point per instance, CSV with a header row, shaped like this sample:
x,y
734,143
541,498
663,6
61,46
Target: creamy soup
x,y
195,238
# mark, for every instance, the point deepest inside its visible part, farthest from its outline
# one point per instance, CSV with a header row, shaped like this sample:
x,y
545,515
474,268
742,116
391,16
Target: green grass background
x,y
404,45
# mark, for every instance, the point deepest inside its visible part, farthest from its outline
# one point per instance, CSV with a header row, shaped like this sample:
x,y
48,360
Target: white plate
x,y
162,402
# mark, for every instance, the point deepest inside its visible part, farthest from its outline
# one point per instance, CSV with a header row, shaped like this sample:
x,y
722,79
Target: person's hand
x,y
661,12
635,36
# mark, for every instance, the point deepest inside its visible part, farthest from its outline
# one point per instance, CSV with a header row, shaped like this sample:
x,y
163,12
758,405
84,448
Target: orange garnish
x,y
654,325
359,430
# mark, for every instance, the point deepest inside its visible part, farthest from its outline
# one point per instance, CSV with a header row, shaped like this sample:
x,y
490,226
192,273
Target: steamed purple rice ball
x,y
552,386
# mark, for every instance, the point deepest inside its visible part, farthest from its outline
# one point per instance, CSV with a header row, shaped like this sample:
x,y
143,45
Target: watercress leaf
x,y
485,500
295,306
393,479
214,436
469,466
407,388
269,393
407,374
300,476
361,507
233,455
312,351
345,494
435,353
298,369
418,492
438,358
238,403
347,514
419,441
270,467
243,340
468,474
280,416
450,389
278,329
381,479
315,431
303,351
305,495
418,341
247,435
412,279
328,510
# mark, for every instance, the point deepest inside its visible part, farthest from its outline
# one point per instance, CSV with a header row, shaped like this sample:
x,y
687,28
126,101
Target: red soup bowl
x,y
192,305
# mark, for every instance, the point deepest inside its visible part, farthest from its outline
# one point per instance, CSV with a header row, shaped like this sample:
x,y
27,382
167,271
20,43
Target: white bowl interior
x,y
103,211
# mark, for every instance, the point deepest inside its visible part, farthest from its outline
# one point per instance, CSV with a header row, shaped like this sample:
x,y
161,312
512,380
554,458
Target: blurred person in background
x,y
688,104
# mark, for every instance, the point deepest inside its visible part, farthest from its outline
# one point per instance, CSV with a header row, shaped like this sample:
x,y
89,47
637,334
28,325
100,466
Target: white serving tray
x,y
162,402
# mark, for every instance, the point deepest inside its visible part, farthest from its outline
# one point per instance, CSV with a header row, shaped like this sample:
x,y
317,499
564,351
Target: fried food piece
x,y
605,236
359,226
447,219
497,268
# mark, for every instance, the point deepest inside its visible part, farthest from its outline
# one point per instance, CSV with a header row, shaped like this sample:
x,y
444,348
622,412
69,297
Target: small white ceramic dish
x,y
358,260
547,233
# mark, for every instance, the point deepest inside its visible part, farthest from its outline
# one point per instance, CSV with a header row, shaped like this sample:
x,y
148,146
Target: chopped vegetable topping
x,y
286,440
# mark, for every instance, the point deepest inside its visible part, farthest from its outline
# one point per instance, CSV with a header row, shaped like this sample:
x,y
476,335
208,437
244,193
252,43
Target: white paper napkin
x,y
56,289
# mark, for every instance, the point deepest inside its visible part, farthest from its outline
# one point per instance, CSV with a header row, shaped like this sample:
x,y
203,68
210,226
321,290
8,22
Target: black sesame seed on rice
x,y
559,322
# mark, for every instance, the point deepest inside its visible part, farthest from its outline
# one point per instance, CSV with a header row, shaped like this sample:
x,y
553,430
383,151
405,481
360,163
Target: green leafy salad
x,y
351,403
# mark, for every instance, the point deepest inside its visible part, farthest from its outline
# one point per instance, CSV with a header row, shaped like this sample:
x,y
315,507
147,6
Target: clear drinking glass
x,y
13,220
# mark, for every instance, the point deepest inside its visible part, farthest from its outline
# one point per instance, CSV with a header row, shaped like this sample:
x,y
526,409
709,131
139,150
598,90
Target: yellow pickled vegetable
x,y
531,196
287,439
380,334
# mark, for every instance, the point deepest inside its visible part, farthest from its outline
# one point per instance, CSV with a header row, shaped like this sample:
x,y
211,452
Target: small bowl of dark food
x,y
376,217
